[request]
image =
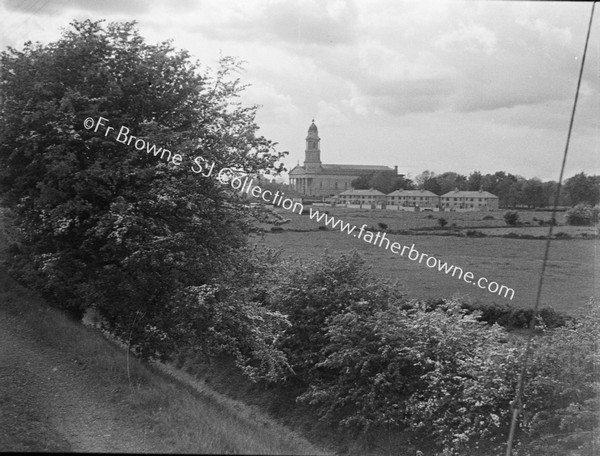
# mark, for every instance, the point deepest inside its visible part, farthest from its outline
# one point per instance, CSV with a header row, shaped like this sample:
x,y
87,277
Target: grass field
x,y
569,281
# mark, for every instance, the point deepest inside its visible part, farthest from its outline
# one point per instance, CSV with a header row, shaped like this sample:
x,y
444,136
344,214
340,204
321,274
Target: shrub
x,y
505,315
561,409
369,360
442,222
311,294
511,218
475,233
276,229
563,235
437,371
488,217
583,215
382,226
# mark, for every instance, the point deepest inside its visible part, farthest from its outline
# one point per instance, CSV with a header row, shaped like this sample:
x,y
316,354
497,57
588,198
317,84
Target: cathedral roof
x,y
343,170
353,169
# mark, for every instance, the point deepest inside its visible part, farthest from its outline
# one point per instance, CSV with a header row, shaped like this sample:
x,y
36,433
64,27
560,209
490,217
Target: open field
x,y
568,284
462,221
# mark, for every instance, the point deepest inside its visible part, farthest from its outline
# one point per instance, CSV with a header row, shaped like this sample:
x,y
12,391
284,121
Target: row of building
x,y
334,182
456,200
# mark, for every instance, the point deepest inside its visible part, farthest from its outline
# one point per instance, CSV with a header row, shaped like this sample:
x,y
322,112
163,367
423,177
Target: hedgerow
x,y
370,359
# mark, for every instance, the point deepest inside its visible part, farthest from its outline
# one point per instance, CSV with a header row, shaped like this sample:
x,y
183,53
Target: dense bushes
x,y
369,359
310,294
511,218
583,215
507,316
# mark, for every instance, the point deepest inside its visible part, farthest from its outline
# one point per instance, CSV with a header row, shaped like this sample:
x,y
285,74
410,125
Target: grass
x,y
187,416
399,220
516,263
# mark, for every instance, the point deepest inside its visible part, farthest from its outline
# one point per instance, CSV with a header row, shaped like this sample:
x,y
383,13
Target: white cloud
x,y
438,80
471,38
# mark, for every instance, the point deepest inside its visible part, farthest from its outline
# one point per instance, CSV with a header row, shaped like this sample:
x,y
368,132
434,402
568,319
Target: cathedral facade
x,y
319,180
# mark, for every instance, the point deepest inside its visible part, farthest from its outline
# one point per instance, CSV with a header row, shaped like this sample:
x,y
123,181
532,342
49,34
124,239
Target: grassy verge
x,y
186,417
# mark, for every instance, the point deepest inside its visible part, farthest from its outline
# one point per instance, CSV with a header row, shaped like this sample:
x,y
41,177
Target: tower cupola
x,y
312,154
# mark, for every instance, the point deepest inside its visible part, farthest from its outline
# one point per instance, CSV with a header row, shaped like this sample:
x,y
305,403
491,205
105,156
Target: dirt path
x,y
51,403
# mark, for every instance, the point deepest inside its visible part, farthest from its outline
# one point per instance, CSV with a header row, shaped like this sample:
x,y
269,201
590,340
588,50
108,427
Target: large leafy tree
x,y
583,189
384,181
106,225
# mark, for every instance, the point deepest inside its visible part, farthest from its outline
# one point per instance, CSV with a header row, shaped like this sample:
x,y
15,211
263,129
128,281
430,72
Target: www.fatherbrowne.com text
x,y
380,239
245,184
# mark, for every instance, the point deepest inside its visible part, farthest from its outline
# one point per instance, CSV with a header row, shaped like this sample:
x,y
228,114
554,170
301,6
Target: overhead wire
x,y
517,403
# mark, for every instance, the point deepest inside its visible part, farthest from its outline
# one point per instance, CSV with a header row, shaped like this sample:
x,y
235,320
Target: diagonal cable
x,y
527,354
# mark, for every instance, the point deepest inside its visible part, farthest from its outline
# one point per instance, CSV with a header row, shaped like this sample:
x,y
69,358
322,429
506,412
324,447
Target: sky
x,y
421,84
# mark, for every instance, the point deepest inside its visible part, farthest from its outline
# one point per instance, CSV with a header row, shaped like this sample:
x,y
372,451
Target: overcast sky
x,y
438,85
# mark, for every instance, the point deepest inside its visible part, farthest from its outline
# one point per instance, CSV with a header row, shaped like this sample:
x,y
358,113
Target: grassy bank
x,y
186,417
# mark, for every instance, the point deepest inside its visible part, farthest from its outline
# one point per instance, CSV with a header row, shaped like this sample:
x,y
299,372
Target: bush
x,y
437,371
277,229
488,217
561,409
563,235
475,233
382,226
367,359
313,293
583,215
505,315
450,378
442,222
511,218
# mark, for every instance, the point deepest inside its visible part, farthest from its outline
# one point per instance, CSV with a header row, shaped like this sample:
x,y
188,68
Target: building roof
x,y
355,192
297,170
412,193
354,168
469,194
344,170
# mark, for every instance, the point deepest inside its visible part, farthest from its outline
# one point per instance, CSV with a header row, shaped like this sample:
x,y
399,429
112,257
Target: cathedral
x,y
319,180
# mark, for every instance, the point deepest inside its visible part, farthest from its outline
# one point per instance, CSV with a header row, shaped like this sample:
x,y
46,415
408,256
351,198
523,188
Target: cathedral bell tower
x,y
312,154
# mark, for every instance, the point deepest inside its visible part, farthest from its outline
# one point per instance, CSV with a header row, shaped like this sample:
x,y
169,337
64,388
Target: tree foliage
x,y
368,359
384,181
108,226
511,218
583,215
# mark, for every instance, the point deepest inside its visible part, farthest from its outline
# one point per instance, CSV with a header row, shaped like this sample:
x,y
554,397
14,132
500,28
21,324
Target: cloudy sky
x,y
438,85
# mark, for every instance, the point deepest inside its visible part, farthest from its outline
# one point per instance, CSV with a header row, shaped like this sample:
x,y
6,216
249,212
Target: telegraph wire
x,y
517,406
